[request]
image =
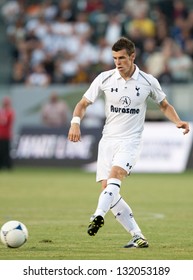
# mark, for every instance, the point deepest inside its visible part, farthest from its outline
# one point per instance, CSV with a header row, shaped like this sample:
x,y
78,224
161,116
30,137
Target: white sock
x,y
124,216
108,196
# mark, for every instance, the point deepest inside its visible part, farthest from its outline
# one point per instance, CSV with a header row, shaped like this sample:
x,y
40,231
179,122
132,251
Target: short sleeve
x,y
157,93
94,91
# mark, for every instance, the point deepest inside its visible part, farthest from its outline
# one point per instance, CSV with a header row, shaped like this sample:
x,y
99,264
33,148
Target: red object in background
x,y
7,116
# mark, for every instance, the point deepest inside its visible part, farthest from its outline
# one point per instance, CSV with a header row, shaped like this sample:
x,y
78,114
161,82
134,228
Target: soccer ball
x,y
13,234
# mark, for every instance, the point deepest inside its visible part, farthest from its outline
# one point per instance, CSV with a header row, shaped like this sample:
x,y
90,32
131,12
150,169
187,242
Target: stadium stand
x,y
5,69
37,35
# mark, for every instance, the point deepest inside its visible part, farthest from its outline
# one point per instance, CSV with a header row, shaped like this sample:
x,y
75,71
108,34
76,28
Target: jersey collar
x,y
136,73
134,76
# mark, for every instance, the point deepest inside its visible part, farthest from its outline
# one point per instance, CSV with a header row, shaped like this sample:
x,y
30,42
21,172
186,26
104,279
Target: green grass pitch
x,y
56,204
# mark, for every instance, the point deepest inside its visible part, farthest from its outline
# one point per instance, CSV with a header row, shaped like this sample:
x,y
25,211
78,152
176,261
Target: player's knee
x,y
118,172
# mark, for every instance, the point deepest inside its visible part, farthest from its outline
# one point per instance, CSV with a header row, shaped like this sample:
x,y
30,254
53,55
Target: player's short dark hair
x,y
124,43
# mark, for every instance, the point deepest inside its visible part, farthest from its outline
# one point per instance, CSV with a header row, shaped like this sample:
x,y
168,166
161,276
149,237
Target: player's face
x,y
124,63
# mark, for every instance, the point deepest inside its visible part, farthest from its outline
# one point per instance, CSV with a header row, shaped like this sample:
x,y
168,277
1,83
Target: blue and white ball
x,y
13,234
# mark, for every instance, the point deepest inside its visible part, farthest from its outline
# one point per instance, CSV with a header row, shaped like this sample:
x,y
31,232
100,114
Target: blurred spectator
x,y
180,65
189,47
190,24
11,10
149,47
179,9
134,8
48,64
156,59
38,76
113,6
68,67
18,74
81,25
114,28
49,10
94,6
104,53
161,24
166,8
7,117
141,26
16,31
65,10
55,112
82,76
179,31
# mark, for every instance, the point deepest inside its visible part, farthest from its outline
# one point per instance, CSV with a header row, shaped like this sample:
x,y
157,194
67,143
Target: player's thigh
x,y
127,155
105,158
120,153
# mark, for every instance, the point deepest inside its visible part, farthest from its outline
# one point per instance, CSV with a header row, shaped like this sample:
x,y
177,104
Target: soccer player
x,y
126,89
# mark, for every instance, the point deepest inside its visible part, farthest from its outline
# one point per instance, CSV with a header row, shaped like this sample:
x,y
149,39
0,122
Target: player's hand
x,y
74,133
184,125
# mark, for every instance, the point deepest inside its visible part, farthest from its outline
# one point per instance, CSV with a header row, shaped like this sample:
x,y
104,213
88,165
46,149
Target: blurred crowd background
x,y
69,41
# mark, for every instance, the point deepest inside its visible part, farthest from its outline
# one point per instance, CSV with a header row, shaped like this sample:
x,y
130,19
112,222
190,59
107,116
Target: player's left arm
x,y
172,115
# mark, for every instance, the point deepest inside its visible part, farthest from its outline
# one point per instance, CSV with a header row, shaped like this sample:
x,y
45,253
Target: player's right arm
x,y
74,134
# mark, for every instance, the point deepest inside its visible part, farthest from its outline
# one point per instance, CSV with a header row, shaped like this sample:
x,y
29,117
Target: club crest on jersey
x,y
114,89
137,89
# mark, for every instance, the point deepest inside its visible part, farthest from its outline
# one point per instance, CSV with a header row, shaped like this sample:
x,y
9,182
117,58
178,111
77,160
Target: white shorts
x,y
123,153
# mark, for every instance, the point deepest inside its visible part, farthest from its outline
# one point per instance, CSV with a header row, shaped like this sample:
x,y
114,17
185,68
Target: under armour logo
x,y
114,89
130,166
137,89
110,193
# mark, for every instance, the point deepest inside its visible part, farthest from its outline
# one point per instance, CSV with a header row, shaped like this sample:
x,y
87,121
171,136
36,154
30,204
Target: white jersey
x,y
125,101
